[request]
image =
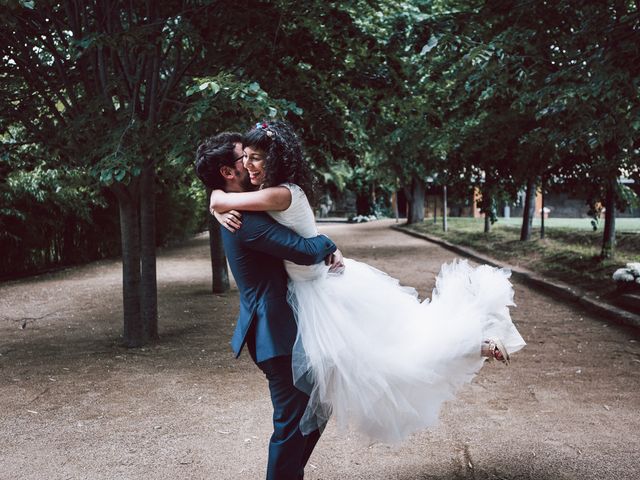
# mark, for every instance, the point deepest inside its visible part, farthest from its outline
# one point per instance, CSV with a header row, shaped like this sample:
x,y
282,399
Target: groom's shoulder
x,y
255,222
256,218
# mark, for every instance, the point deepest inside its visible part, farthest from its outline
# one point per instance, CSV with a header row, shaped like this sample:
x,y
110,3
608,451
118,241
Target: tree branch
x,y
176,77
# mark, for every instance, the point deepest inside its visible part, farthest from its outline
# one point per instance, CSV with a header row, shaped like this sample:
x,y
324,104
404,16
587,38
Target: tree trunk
x,y
435,209
529,210
69,252
219,272
149,286
396,208
363,203
487,222
609,237
542,214
445,226
416,202
130,236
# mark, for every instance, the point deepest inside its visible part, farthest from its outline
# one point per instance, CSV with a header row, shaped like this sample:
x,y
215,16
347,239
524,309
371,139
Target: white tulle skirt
x,y
378,360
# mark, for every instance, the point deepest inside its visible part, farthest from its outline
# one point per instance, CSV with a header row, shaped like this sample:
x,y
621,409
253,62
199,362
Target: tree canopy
x,y
104,104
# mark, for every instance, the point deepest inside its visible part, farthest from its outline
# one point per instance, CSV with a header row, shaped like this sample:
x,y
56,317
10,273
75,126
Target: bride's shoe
x,y
494,348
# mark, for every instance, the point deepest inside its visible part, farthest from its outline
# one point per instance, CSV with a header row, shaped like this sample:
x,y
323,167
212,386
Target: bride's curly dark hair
x,y
284,159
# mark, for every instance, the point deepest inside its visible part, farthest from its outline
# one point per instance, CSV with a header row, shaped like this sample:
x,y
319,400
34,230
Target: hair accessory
x,y
265,127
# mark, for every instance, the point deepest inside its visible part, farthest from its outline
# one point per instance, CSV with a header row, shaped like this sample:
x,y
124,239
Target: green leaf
x,y
120,174
215,87
254,87
273,112
106,176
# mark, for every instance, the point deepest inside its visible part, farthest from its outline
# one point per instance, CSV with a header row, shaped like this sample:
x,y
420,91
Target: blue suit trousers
x,y
289,450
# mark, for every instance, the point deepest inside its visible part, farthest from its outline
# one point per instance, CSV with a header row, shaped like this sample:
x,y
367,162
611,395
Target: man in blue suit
x,y
266,324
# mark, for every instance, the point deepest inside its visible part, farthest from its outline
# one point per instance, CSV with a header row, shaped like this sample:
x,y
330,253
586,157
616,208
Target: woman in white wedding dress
x,y
380,361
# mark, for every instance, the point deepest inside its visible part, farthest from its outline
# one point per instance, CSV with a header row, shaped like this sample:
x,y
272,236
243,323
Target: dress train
x,y
380,361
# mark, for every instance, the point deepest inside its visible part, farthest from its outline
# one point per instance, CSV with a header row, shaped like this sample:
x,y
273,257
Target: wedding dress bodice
x,y
299,218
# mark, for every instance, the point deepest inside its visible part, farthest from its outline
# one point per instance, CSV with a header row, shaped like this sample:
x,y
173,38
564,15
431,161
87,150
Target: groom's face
x,y
240,172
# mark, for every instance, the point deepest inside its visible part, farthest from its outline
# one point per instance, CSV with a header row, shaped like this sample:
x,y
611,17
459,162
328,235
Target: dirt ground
x,y
74,404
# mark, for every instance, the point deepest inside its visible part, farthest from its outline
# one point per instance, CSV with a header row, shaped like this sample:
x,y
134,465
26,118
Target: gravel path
x,y
76,405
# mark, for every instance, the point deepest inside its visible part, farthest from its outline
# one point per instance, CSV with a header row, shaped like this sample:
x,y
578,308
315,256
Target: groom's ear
x,y
227,173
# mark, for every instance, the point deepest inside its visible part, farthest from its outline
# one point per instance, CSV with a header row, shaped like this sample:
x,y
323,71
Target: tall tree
x,y
109,87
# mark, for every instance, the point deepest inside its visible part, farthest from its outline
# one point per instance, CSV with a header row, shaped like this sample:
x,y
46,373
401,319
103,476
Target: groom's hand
x,y
335,262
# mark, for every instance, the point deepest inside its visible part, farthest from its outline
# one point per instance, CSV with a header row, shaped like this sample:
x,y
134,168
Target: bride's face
x,y
254,162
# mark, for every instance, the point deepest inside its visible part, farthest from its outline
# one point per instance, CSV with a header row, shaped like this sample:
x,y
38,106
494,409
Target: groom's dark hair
x,y
213,153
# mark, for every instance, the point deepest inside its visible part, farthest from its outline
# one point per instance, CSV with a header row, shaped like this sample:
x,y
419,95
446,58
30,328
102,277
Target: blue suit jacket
x,y
255,253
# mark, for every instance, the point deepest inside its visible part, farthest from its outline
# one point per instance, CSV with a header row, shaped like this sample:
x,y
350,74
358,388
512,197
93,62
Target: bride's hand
x,y
231,220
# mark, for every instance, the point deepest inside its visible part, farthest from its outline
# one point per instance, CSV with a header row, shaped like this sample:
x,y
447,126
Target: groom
x,y
266,324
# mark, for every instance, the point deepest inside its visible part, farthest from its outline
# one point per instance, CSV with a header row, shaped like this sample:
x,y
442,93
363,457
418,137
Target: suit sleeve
x,y
261,232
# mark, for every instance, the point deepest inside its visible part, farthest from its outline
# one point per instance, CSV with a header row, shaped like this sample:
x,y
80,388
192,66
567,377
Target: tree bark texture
x,y
416,202
487,222
529,210
219,271
149,288
435,209
609,236
134,332
542,214
364,206
445,226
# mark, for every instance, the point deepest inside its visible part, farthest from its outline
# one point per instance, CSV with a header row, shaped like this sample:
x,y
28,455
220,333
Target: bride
x,y
378,360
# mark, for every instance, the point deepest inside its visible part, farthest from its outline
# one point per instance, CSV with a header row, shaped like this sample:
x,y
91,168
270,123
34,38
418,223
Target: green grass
x,y
569,252
622,224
